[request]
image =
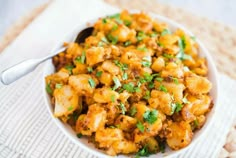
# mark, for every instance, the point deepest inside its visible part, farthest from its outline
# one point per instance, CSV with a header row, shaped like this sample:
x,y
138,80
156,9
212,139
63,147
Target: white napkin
x,y
26,129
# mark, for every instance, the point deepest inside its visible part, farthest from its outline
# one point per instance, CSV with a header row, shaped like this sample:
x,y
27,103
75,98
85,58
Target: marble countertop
x,y
219,10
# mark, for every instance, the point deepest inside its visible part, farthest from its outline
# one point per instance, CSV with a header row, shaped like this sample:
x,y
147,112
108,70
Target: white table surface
x,y
218,10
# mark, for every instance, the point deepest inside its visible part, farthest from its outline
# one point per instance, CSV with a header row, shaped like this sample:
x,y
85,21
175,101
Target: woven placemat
x,y
218,38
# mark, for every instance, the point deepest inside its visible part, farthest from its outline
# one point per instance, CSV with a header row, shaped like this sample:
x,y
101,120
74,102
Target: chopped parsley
x,y
154,34
173,108
112,127
90,69
125,76
168,56
151,85
122,66
165,32
58,85
104,20
185,100
70,108
181,55
81,59
48,88
99,73
74,115
127,22
69,68
143,49
133,111
127,43
129,87
178,107
115,27
113,39
176,81
140,126
159,79
196,123
147,95
146,62
143,152
91,83
117,83
123,108
147,78
141,35
150,116
104,39
160,44
100,44
113,98
116,17
79,135
162,88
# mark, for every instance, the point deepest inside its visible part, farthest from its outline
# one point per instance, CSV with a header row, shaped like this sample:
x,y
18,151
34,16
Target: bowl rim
x,y
171,23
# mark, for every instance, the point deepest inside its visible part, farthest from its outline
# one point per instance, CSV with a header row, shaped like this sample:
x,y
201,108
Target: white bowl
x,y
83,143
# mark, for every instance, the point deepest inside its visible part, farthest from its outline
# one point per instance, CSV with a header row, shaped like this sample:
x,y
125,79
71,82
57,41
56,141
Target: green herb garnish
x,y
176,81
69,68
141,35
129,87
147,95
58,85
133,111
115,27
127,43
150,116
123,108
91,83
162,88
154,34
196,123
81,59
113,39
146,62
168,56
140,126
117,83
151,85
79,135
160,44
159,79
116,17
122,66
48,88
165,32
143,152
143,49
185,100
178,107
99,73
181,55
90,69
125,76
70,108
113,98
127,22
